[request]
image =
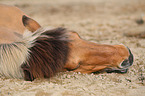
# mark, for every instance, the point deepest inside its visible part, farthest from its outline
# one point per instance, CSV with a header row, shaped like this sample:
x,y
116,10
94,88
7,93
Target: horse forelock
x,y
47,55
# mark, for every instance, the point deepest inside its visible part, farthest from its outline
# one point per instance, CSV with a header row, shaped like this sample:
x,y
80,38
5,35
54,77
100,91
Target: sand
x,y
100,21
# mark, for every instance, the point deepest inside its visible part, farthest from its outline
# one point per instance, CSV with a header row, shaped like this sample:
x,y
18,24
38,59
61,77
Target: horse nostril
x,y
125,63
128,62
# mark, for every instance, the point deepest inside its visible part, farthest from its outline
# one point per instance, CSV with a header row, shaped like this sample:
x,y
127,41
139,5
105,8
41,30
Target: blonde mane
x,y
13,55
11,58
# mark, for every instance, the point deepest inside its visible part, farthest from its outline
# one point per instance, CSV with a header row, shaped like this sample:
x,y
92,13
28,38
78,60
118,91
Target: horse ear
x,y
30,24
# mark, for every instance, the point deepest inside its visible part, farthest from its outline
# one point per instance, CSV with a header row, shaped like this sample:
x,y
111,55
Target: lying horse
x,y
41,52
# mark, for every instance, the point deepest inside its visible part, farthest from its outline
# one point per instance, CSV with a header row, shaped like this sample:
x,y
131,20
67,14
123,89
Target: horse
x,y
29,51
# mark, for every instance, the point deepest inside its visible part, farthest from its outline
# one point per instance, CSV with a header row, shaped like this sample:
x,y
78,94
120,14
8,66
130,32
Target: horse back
x,y
11,18
11,26
8,36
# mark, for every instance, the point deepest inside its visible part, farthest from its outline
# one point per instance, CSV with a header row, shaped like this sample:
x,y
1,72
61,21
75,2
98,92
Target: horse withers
x,y
42,52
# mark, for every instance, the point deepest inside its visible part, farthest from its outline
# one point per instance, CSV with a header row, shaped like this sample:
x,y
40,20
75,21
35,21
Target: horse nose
x,y
128,62
123,68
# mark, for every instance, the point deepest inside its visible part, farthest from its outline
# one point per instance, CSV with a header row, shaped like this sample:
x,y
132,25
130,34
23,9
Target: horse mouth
x,y
109,70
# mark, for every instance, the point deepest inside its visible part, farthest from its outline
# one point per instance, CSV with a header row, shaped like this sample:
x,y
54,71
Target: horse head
x,y
87,57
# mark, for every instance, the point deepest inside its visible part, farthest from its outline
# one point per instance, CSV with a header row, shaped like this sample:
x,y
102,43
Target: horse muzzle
x,y
123,67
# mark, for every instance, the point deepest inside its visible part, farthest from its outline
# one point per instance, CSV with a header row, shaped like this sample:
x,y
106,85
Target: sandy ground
x,y
100,21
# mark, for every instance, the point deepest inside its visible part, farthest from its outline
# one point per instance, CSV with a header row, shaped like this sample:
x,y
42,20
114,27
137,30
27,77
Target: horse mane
x,y
11,57
47,55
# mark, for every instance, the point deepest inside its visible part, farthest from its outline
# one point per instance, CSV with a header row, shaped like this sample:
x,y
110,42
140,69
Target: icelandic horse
x,y
30,51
